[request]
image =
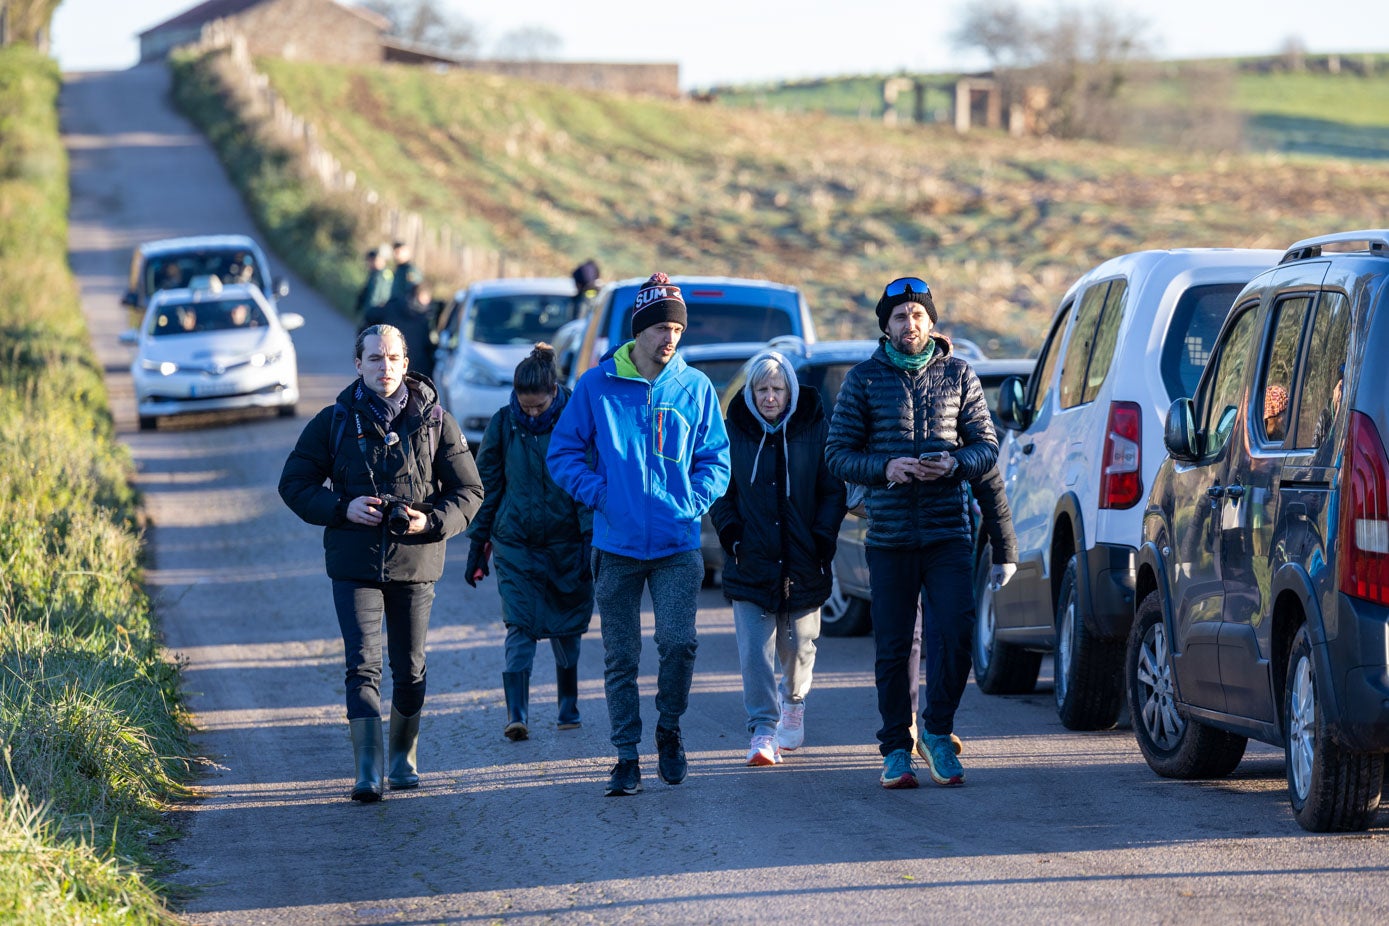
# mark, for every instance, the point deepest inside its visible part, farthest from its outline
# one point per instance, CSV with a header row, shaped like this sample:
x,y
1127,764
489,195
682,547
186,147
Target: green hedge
x,y
91,740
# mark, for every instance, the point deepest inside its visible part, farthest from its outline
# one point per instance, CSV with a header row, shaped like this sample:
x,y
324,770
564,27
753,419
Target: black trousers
x,y
942,575
403,608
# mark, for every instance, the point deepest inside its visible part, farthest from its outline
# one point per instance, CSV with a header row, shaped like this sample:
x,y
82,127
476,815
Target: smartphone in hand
x,y
932,456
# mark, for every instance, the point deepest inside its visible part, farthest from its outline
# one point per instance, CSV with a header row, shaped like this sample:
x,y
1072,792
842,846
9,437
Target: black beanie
x,y
887,303
657,301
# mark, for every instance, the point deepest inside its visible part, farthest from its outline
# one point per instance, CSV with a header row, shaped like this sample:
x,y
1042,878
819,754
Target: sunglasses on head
x,y
906,285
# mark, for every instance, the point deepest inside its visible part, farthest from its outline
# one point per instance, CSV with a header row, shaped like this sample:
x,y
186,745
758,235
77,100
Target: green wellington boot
x,y
400,746
567,686
370,755
517,687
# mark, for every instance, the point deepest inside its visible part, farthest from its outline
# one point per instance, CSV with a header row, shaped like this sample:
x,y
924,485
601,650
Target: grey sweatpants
x,y
674,582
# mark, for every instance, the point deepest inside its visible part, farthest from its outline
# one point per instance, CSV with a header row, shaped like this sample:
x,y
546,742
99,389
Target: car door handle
x,y
1234,492
1215,493
1027,449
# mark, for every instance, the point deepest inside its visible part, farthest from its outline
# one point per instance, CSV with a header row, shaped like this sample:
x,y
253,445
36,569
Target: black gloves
x,y
478,555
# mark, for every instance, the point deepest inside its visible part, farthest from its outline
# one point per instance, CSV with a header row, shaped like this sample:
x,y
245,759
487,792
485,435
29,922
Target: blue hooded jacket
x,y
659,450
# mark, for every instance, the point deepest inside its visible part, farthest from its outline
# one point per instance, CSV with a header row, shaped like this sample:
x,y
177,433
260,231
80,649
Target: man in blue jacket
x,y
642,443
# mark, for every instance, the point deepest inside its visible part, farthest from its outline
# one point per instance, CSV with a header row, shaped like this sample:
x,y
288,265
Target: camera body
x,y
397,509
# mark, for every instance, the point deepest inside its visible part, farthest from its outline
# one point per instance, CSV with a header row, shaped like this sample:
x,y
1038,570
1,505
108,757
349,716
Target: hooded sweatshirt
x,y
658,460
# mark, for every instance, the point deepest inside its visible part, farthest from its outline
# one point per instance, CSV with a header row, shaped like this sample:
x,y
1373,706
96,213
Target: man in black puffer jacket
x,y
385,436
912,425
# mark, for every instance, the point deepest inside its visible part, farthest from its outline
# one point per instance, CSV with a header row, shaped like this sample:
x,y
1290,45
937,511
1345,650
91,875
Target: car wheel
x,y
287,411
999,668
1089,671
148,422
1174,746
843,615
1332,789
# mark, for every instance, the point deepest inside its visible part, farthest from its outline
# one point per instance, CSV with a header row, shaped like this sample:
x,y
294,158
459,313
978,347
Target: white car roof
x,y
508,286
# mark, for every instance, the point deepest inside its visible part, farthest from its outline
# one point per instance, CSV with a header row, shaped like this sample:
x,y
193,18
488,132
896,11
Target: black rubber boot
x,y
405,733
517,687
370,755
567,684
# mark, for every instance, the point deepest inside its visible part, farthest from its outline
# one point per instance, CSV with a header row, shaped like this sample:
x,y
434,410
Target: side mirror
x,y
1179,431
1013,413
131,299
291,321
281,288
129,336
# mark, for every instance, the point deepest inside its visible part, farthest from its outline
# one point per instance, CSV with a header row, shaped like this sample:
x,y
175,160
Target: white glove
x,y
1000,574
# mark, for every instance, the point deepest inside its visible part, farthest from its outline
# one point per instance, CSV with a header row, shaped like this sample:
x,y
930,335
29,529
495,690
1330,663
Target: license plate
x,y
210,389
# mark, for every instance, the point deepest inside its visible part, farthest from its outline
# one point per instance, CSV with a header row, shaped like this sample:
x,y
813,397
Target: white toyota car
x,y
213,347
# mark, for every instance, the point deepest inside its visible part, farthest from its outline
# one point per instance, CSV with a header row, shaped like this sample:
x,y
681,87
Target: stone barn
x,y
305,30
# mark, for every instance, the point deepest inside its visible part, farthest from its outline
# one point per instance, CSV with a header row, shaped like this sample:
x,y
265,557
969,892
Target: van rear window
x,y
1195,323
718,322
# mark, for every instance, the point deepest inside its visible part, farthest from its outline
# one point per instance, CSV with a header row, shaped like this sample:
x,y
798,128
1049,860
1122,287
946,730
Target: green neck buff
x,y
910,362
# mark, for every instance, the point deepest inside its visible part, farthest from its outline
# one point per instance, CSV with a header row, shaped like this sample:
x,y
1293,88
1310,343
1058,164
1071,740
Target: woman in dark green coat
x,y
540,538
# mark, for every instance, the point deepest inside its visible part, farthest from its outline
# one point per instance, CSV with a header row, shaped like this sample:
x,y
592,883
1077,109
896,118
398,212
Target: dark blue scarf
x,y
384,409
547,419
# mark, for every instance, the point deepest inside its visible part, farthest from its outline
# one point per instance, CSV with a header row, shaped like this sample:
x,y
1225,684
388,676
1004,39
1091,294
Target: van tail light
x,y
1121,471
1363,544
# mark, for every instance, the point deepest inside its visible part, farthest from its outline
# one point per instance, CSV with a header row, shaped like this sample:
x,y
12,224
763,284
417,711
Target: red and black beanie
x,y
657,301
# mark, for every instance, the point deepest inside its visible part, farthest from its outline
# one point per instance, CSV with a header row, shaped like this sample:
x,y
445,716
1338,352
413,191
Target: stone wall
x,y
648,79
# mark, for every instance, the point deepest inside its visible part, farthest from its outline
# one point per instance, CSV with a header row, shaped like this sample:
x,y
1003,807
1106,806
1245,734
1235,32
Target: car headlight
x,y
162,367
476,374
266,358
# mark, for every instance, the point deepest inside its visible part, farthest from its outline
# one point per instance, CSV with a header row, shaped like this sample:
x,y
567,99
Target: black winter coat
x,y
998,517
785,545
359,553
883,413
540,535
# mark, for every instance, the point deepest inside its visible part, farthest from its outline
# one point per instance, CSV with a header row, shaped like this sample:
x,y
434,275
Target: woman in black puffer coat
x,y
540,537
778,524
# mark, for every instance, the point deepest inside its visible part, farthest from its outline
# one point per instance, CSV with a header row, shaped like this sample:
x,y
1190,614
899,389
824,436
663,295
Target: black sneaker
x,y
625,778
670,763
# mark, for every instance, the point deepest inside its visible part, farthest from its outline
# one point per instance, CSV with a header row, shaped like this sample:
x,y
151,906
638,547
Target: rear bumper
x,y
1110,580
1357,713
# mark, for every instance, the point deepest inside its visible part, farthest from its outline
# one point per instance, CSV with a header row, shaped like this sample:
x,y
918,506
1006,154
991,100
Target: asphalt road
x,y
1052,826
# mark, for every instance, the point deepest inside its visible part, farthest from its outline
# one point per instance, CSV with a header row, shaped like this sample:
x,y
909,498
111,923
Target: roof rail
x,y
1371,241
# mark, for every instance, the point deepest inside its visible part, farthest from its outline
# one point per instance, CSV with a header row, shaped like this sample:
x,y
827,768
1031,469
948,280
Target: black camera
x,y
398,513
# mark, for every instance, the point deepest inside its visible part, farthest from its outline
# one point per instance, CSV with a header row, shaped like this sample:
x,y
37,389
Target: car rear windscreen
x,y
517,319
1196,321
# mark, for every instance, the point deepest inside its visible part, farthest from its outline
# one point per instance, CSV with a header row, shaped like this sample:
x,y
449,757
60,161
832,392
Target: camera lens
x,y
398,519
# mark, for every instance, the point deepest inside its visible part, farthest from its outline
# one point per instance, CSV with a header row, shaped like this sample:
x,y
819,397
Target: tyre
x,y
1331,788
999,668
1089,671
148,422
1173,745
843,615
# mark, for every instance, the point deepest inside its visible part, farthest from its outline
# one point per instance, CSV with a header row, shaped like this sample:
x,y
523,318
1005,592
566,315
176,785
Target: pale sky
x,y
740,41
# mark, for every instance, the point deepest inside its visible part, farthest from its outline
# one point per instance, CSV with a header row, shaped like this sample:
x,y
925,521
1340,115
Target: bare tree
x,y
1081,57
528,43
429,23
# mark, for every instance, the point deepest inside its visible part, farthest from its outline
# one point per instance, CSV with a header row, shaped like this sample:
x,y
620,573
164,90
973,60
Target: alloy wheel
x,y
1157,695
1065,650
1302,728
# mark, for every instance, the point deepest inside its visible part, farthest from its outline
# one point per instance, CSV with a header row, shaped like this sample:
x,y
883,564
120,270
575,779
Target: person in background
x,y
388,475
540,538
642,443
778,524
911,424
376,291
406,275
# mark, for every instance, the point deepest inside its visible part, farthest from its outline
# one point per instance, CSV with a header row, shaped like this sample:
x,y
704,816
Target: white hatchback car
x,y
490,327
1084,441
211,348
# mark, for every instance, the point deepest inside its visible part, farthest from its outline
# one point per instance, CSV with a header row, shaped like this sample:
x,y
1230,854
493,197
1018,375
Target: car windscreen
x,y
178,269
723,320
826,378
720,372
1196,321
202,317
520,318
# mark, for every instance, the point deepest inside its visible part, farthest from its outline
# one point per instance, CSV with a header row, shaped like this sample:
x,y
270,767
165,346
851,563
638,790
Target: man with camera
x,y
400,481
911,425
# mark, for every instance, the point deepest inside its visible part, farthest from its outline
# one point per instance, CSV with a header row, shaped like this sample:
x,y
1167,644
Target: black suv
x,y
1263,578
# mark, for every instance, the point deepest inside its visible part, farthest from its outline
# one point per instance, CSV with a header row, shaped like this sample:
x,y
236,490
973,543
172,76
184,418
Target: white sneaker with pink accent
x,y
790,730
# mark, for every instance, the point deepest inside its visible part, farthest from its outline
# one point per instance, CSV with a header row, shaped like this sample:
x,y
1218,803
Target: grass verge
x,y
91,740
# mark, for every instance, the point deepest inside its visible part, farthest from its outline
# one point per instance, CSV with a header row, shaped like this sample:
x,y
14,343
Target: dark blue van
x,y
721,309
